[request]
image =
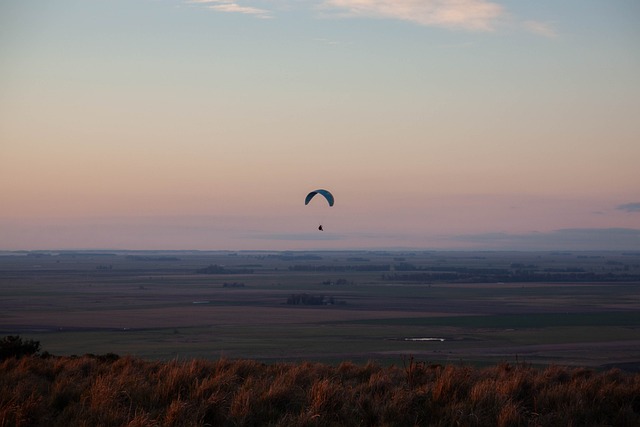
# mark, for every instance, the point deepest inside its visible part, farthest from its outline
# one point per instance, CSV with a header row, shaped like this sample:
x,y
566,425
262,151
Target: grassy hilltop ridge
x,y
111,391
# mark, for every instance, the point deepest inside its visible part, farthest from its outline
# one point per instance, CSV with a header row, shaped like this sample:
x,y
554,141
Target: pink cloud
x,y
478,15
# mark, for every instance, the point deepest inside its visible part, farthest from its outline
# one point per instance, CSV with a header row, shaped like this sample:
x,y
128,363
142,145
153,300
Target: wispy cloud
x,y
477,15
540,28
629,207
296,236
233,7
327,41
471,15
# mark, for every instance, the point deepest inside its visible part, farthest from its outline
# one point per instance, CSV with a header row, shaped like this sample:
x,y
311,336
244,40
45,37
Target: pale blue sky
x,y
172,124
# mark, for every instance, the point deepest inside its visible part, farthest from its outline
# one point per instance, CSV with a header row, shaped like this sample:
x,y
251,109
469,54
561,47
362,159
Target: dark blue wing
x,y
327,195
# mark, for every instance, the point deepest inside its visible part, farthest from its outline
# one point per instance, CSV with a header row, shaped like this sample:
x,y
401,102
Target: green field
x,y
482,307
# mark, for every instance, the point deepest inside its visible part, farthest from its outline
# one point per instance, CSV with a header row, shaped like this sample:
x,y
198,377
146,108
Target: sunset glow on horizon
x,y
177,124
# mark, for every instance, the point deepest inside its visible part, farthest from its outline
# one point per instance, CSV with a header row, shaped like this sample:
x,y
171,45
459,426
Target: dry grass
x,y
95,391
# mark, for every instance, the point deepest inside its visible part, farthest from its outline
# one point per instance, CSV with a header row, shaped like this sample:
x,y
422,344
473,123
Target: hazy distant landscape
x,y
568,308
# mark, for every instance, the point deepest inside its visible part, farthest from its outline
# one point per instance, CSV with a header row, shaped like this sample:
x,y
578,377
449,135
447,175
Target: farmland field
x,y
580,308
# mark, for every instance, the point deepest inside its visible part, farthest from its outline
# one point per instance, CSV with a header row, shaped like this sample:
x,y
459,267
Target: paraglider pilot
x,y
327,195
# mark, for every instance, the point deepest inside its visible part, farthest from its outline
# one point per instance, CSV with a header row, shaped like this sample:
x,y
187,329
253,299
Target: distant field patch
x,y
529,320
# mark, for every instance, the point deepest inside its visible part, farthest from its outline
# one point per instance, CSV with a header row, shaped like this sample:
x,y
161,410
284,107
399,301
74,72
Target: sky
x,y
203,124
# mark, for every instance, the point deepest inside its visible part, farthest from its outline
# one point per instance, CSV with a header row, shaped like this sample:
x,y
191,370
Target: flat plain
x,y
566,308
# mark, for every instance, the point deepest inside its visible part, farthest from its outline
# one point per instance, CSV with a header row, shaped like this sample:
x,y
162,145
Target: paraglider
x,y
326,194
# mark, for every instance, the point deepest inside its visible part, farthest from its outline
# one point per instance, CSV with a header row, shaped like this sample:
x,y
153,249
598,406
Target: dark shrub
x,y
14,346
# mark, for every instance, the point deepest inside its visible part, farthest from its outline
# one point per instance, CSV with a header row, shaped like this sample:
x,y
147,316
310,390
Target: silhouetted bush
x,y
14,346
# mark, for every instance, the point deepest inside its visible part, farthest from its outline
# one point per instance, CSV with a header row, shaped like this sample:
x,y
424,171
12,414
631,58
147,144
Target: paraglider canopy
x,y
327,195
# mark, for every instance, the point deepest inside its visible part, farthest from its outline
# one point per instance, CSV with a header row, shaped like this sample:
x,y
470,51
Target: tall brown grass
x,y
109,391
